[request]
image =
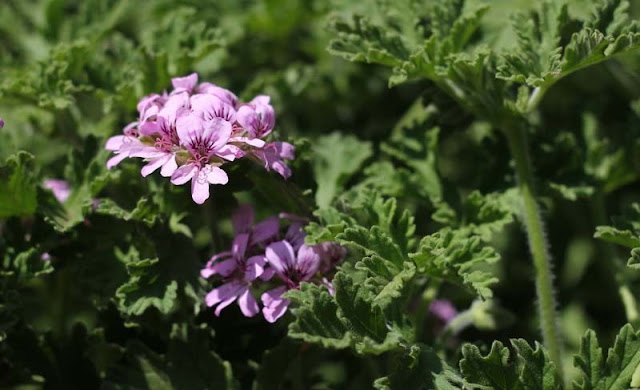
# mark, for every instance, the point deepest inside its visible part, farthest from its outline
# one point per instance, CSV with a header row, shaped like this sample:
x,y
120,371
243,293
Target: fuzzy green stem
x,y
538,246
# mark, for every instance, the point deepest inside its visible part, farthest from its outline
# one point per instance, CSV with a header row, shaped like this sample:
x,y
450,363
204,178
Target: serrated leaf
x,y
616,371
157,282
352,319
188,364
617,236
539,60
456,257
482,215
525,368
316,318
18,186
336,158
145,211
360,40
415,368
627,233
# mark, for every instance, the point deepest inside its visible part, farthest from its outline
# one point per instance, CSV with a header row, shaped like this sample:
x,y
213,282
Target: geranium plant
x,y
403,194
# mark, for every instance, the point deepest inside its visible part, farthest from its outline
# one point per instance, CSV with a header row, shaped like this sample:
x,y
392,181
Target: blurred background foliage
x,y
119,304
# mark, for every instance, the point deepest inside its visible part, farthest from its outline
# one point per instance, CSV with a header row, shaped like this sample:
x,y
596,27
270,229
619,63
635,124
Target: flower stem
x,y
537,244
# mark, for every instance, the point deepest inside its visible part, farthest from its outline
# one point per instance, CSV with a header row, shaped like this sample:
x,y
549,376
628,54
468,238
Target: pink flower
x,y
221,93
272,156
331,254
184,84
60,188
205,140
257,117
210,106
292,270
190,132
236,287
1,123
443,309
262,232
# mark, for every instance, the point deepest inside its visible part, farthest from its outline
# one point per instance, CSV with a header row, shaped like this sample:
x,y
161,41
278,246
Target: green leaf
x,y
362,208
18,186
362,41
351,319
316,320
481,215
87,176
336,158
458,258
25,265
539,60
616,371
537,56
416,146
526,368
415,368
628,233
430,59
145,211
188,364
617,236
158,281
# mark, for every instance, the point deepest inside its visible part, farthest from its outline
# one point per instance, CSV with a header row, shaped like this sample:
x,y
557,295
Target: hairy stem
x,y
537,244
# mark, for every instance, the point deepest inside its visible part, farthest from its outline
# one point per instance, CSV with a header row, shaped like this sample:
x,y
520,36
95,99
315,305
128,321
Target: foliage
x,y
403,114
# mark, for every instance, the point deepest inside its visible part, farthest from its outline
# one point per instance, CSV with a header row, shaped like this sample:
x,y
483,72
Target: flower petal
x,y
199,189
183,174
215,175
187,82
222,268
154,165
267,274
114,143
254,268
265,230
217,131
189,129
239,246
170,167
242,219
274,305
248,305
248,119
115,160
280,256
223,293
307,262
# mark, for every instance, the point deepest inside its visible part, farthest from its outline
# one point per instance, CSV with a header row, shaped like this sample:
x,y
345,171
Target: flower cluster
x,y
196,128
263,253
